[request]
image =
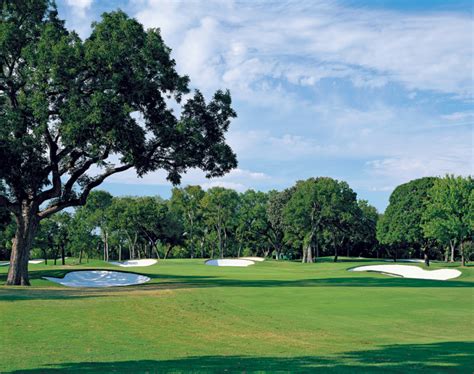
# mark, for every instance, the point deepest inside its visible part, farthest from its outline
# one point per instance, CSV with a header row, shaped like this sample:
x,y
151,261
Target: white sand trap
x,y
258,259
135,263
36,262
409,271
99,278
230,262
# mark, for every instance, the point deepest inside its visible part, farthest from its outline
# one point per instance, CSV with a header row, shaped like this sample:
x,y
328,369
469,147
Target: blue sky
x,y
375,93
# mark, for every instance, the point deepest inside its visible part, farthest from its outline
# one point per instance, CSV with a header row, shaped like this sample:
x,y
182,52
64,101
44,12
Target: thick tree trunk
x,y
451,244
309,256
106,246
168,250
80,256
191,238
463,258
225,243
426,257
219,235
63,255
303,259
27,226
155,247
45,255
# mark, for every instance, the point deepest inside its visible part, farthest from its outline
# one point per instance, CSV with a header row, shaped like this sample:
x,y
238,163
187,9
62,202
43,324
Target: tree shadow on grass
x,y
446,357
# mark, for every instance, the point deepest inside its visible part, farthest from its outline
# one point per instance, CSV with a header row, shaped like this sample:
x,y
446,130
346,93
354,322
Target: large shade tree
x,y
74,112
401,224
449,212
317,204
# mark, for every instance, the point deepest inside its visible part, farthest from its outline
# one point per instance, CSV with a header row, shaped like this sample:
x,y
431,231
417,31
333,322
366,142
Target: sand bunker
x,y
135,263
258,259
409,271
35,262
230,262
99,278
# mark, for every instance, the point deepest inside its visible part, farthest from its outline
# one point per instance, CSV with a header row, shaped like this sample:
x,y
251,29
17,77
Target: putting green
x,y
272,316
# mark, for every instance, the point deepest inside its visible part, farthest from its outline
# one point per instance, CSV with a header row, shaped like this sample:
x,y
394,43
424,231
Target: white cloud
x,y
239,187
240,43
460,116
316,81
80,6
405,168
237,179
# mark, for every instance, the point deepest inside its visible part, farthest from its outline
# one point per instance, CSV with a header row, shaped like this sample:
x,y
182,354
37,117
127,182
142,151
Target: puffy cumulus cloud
x,y
239,43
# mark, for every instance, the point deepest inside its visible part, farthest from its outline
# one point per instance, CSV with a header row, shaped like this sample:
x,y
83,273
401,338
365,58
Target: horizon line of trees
x,y
428,217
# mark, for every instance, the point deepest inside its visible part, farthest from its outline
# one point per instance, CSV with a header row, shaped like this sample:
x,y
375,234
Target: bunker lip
x,y
250,258
410,271
99,279
230,262
135,263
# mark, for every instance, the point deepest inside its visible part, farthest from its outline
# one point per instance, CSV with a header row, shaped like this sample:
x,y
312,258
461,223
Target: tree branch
x,y
55,190
81,200
78,172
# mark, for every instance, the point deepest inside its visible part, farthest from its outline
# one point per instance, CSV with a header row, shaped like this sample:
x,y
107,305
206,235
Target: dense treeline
x,y
427,217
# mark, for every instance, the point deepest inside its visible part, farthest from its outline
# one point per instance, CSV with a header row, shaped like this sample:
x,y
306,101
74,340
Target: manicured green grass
x,y
270,317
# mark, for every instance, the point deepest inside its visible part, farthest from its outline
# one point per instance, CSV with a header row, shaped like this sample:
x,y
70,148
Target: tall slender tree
x,y
186,202
220,210
276,203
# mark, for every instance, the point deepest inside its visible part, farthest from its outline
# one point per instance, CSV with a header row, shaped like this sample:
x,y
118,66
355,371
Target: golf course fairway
x,y
274,316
